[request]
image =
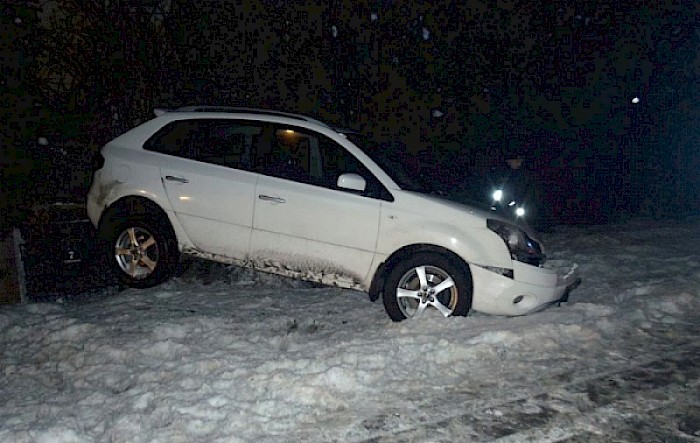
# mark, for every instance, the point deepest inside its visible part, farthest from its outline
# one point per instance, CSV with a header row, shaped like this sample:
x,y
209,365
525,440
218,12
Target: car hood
x,y
477,216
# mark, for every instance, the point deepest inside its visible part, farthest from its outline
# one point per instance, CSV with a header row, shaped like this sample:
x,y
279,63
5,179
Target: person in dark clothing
x,y
513,190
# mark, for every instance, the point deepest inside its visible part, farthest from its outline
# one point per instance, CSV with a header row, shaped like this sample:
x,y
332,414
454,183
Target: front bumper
x,y
531,288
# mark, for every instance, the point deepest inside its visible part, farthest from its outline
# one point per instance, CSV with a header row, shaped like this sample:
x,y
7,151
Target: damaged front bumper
x,y
530,289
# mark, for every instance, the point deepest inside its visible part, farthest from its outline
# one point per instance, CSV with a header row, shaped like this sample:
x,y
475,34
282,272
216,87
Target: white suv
x,y
288,194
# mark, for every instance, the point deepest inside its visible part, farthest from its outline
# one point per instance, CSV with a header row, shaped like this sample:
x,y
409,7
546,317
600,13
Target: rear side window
x,y
222,142
174,138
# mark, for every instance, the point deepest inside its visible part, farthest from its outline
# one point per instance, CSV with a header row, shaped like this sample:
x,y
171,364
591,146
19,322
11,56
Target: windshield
x,y
415,172
398,164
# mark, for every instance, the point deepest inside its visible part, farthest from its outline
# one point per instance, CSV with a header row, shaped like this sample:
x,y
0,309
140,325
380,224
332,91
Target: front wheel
x,y
141,251
428,280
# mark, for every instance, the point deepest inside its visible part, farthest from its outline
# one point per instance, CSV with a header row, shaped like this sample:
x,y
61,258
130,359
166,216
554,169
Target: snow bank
x,y
224,354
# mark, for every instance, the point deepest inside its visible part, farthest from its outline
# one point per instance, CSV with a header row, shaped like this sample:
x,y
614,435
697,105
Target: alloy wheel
x,y
424,286
136,252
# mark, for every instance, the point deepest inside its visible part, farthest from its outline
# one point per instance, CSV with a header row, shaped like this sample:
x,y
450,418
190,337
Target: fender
x,y
114,190
457,228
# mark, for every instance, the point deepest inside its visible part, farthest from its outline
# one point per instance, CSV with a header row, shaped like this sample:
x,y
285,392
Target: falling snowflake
x,y
437,113
334,31
426,34
18,21
374,17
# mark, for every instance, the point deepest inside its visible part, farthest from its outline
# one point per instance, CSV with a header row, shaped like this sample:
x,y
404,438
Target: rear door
x,y
208,181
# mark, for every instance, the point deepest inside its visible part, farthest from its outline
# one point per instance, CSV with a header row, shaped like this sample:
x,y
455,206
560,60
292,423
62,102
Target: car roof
x,y
136,137
242,110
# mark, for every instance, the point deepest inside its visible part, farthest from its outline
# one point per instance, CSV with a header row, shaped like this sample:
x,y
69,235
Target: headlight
x,y
522,248
497,195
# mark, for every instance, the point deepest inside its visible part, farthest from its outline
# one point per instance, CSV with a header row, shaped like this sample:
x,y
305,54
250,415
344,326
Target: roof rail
x,y
250,111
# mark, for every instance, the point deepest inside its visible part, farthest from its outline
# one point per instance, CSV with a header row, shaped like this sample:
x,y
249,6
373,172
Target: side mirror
x,y
353,182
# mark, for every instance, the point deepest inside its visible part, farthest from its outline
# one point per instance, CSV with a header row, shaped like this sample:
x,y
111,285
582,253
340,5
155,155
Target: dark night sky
x,y
462,85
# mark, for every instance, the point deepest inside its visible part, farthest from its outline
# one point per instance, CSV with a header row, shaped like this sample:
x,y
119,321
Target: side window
x,y
174,138
337,161
308,157
221,142
288,153
226,143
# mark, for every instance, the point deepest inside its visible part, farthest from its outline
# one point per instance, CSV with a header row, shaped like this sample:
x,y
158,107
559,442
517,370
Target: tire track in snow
x,y
587,409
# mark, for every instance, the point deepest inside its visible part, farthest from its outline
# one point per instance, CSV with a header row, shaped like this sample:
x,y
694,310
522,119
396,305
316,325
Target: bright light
x,y
520,211
635,100
289,131
497,195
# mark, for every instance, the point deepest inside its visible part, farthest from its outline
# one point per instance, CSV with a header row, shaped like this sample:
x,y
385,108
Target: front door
x,y
304,225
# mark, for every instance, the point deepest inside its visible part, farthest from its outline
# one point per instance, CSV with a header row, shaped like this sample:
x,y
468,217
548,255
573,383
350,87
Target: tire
x,y
140,250
407,294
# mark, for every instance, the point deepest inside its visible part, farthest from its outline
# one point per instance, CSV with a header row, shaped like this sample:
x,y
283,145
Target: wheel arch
x,y
383,270
140,205
144,212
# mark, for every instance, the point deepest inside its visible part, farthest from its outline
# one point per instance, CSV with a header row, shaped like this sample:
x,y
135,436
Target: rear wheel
x,y
428,280
140,250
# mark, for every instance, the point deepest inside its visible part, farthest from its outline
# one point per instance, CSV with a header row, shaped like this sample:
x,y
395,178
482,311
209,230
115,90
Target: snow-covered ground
x,y
241,357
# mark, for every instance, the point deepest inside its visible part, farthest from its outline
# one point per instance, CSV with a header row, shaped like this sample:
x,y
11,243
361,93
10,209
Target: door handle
x,y
172,178
269,198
